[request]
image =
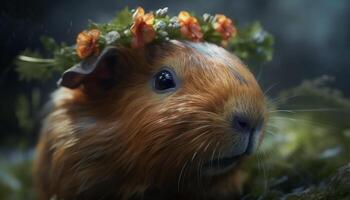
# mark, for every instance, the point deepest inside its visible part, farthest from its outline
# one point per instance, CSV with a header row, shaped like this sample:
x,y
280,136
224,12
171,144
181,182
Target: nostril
x,y
241,124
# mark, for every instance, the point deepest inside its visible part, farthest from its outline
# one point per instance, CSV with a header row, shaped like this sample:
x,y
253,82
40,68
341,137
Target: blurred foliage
x,y
122,19
253,43
304,148
24,110
15,176
27,107
32,65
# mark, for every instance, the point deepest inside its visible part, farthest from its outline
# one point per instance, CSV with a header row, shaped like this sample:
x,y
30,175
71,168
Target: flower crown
x,y
148,27
136,28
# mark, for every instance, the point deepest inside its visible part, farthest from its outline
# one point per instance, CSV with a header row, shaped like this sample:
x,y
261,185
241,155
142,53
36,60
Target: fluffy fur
x,y
129,142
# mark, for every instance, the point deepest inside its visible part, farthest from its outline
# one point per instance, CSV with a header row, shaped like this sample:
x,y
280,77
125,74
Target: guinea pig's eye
x,y
164,81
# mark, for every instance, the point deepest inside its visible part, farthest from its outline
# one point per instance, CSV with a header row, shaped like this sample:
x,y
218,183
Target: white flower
x,y
173,19
112,36
160,25
163,33
260,36
162,12
207,17
165,10
174,23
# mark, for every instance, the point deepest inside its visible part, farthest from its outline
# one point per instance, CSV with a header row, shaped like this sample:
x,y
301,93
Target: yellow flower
x,y
87,43
224,26
142,28
190,27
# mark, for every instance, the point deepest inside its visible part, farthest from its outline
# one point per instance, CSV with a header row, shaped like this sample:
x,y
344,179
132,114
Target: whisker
x,y
219,155
199,147
272,125
277,100
266,184
199,162
269,88
305,121
180,136
206,147
212,155
220,161
179,179
278,111
259,74
199,136
194,156
258,158
270,132
307,110
198,171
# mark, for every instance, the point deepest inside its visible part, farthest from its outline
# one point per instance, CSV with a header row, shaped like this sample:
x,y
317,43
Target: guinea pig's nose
x,y
241,124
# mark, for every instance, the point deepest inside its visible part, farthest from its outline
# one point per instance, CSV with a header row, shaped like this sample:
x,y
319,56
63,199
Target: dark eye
x,y
164,81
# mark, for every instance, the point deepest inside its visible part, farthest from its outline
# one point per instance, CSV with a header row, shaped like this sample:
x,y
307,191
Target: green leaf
x,y
123,19
33,66
49,43
33,70
253,43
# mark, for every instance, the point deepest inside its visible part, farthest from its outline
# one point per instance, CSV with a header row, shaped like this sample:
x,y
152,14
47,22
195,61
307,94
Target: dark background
x,y
311,39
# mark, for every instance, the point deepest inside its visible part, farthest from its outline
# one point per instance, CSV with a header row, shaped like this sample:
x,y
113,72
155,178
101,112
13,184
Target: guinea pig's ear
x,y
96,70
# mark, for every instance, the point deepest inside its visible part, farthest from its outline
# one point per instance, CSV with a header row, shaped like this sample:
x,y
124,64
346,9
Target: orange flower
x,y
142,28
190,27
224,26
87,43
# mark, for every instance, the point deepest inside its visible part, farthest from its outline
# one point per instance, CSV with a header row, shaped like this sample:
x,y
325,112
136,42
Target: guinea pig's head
x,y
167,112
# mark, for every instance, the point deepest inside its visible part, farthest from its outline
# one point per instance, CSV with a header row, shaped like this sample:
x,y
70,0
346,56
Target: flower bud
x,y
160,25
163,33
173,19
112,37
206,17
127,32
161,12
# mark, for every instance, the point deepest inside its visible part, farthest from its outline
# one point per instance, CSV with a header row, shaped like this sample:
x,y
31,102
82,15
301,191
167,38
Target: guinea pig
x,y
171,120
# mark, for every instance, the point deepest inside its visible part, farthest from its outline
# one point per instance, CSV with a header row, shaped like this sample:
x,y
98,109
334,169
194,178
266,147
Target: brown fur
x,y
130,142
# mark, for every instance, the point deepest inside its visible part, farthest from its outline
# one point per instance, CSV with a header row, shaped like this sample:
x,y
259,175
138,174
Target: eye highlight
x,y
164,81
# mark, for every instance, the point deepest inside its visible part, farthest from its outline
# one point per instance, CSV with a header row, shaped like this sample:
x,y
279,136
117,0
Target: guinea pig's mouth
x,y
220,165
